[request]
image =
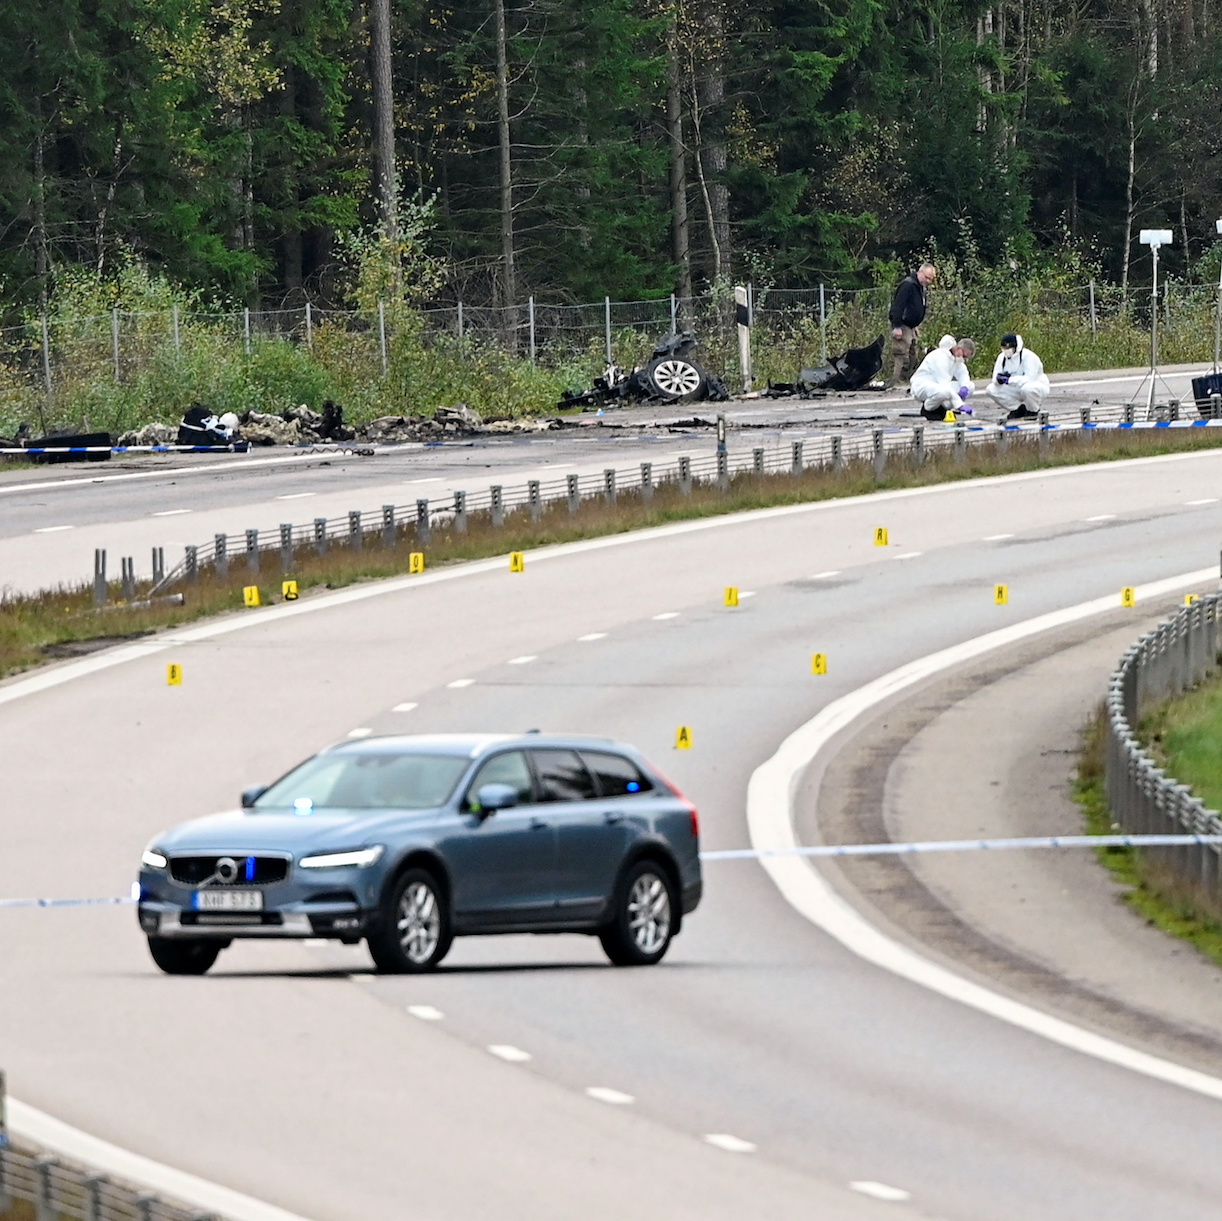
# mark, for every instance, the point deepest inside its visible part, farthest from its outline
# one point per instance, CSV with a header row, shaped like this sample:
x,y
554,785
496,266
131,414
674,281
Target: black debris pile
x,y
853,369
98,442
200,425
671,375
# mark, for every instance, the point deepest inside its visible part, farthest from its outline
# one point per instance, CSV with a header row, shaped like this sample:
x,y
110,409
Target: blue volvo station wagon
x,y
409,842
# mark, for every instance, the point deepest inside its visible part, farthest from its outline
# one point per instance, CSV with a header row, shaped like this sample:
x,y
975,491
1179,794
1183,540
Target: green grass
x,y
1185,736
43,626
1152,892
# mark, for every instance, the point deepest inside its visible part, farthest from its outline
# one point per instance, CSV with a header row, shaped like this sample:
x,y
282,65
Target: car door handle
x,y
539,824
611,817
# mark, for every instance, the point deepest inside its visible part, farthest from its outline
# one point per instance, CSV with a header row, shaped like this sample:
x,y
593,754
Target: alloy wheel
x,y
419,922
649,913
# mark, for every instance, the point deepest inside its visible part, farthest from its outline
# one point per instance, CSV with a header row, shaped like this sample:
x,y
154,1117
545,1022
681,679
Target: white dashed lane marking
x,y
1103,517
297,496
521,661
1209,500
592,636
602,1093
880,1191
407,707
831,572
170,512
667,615
362,732
462,682
426,1013
731,1144
53,529
746,593
515,1055
908,555
996,538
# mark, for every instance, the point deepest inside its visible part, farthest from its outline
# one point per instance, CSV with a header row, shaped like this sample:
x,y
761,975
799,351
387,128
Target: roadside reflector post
x,y
497,504
683,737
415,562
534,498
1128,596
286,545
288,591
837,453
388,525
880,453
252,550
880,536
1001,595
797,463
742,319
609,485
818,663
918,445
517,561
685,475
250,595
731,595
173,674
573,487
424,524
646,480
723,471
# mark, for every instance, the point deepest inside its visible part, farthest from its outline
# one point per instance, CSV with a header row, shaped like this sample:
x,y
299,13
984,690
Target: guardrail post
x,y
646,480
497,504
158,565
534,498
190,562
723,470
388,525
5,1199
960,444
460,512
100,590
918,445
880,452
1128,413
252,550
44,1205
1215,406
797,463
609,485
320,535
685,475
1045,433
286,545
354,529
757,459
221,554
424,521
93,1196
1173,409
837,453
128,566
1083,416
145,1204
573,485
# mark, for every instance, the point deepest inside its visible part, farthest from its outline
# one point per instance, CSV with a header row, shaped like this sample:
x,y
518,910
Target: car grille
x,y
194,870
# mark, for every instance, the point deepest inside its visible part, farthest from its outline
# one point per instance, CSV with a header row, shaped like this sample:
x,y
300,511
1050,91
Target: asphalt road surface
x,y
762,1069
53,518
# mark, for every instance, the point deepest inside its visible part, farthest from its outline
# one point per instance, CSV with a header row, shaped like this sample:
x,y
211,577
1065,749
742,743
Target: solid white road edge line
x,y
59,1137
770,794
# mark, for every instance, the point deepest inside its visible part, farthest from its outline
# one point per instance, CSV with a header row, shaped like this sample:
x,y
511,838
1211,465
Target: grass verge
x,y
1184,735
56,623
1149,893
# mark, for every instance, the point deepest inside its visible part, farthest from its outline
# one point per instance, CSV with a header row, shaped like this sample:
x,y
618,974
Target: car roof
x,y
470,745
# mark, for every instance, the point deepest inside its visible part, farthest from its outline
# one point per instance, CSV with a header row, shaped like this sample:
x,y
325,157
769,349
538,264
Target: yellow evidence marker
x,y
415,562
880,536
1128,596
288,591
1189,599
731,595
250,595
1001,595
173,674
818,663
683,738
517,561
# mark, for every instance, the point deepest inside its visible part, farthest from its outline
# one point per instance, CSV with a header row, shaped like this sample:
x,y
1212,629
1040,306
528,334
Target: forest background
x,y
222,156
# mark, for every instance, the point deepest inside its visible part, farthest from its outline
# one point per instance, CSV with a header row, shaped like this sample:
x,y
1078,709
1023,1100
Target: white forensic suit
x,y
938,381
1027,386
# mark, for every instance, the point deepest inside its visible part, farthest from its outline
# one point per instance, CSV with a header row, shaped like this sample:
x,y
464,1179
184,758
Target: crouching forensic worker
x,y
943,383
1019,384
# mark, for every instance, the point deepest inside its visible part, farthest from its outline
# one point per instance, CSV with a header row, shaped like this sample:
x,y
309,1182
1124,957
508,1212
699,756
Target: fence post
x,y
252,550
388,525
320,535
534,499
647,480
221,553
880,453
498,504
46,360
158,565
607,325
1094,320
742,320
674,315
382,337
460,322
246,330
573,483
424,523
177,336
354,529
99,577
114,338
822,325
190,562
530,315
796,461
460,512
309,320
685,475
286,545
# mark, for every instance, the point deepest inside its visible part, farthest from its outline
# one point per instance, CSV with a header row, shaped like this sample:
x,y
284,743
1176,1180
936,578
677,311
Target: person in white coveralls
x,y
1019,384
943,383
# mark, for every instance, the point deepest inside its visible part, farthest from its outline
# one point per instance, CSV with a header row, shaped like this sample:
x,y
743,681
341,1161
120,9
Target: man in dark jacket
x,y
907,314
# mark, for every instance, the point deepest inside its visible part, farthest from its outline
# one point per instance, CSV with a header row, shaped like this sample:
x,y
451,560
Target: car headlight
x,y
358,857
153,859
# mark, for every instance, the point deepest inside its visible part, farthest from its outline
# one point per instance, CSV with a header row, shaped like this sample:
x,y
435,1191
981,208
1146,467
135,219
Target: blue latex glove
x,y
1003,379
964,391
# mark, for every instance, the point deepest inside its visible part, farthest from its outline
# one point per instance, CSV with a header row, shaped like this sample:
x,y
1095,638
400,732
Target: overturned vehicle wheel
x,y
673,378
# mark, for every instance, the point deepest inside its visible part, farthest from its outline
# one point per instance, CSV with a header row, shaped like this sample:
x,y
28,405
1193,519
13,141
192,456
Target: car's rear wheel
x,y
179,956
673,378
414,932
643,921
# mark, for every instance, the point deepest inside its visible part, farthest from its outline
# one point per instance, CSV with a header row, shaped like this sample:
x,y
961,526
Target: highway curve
x,y
294,1075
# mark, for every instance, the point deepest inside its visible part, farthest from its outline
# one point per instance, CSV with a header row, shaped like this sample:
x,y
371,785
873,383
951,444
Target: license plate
x,y
228,900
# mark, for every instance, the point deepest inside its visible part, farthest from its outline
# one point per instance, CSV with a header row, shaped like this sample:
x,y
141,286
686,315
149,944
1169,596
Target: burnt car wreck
x,y
671,375
853,369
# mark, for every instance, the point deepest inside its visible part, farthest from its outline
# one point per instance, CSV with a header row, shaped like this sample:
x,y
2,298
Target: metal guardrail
x,y
391,524
59,1189
1143,799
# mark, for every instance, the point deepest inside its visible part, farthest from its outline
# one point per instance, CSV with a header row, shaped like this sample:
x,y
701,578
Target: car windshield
x,y
349,780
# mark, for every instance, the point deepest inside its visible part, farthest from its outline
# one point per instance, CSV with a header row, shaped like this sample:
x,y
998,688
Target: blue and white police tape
x,y
968,845
110,902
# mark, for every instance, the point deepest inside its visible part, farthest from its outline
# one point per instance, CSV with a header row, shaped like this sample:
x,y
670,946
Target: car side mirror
x,y
493,797
250,796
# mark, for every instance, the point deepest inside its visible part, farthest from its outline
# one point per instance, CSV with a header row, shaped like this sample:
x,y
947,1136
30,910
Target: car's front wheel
x,y
643,921
177,956
414,932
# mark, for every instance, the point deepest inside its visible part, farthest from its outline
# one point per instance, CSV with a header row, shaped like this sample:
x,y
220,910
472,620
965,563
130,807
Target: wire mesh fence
x,y
1143,799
